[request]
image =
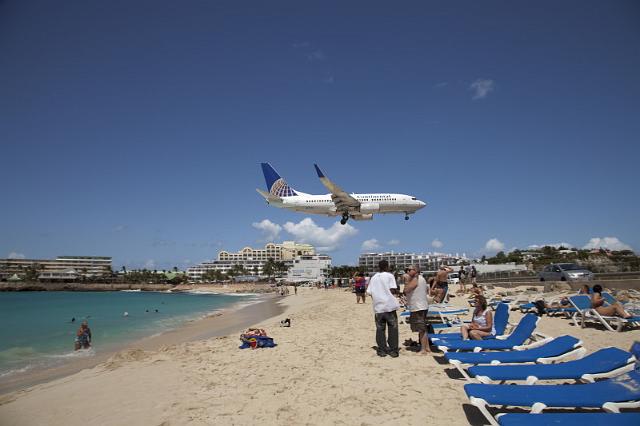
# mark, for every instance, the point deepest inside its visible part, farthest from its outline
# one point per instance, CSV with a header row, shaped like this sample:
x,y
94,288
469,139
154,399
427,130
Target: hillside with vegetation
x,y
599,260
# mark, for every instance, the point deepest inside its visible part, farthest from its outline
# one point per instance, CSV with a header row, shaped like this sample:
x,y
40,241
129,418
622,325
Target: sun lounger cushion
x,y
618,389
602,361
556,347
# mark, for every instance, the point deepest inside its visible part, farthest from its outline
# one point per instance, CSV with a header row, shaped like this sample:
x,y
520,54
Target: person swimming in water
x,y
83,337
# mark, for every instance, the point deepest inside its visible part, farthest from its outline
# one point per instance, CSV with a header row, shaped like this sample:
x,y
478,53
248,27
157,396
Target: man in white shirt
x,y
384,308
416,289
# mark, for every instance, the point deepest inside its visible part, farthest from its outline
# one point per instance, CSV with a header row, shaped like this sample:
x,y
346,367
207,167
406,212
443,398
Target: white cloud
x,y
306,231
14,255
269,229
481,88
494,245
436,243
393,242
371,244
611,243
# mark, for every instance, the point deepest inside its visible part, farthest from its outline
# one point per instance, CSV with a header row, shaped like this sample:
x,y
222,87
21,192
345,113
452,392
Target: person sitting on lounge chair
x,y
597,303
482,322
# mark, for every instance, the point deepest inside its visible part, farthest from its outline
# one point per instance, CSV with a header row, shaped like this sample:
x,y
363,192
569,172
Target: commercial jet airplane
x,y
337,202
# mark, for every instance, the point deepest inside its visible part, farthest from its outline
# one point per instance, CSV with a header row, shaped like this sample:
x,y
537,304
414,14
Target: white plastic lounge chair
x,y
554,350
501,320
610,395
605,363
524,331
586,313
569,419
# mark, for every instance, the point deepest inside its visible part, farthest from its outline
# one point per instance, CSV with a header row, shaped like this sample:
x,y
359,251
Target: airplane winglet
x,y
320,174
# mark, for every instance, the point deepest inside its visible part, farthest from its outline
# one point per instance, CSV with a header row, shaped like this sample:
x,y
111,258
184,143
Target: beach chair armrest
x,y
615,407
592,377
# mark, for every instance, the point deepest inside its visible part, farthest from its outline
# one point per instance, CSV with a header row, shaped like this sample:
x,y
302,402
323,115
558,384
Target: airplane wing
x,y
340,198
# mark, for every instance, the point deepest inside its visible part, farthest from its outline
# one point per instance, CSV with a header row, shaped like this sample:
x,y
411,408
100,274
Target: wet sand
x,y
227,321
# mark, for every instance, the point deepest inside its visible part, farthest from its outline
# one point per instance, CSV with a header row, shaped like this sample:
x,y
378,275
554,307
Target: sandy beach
x,y
323,371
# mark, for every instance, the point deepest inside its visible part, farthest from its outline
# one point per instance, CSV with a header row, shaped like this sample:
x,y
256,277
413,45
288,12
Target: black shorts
x,y
418,321
360,290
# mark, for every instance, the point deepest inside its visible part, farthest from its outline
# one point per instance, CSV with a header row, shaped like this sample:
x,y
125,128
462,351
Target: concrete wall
x,y
575,285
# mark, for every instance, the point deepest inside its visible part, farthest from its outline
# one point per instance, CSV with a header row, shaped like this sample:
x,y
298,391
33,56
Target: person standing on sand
x,y
473,274
360,285
385,305
415,289
442,284
462,275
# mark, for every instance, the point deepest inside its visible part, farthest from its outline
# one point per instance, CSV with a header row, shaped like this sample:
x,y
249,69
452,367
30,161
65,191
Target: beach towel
x,y
256,338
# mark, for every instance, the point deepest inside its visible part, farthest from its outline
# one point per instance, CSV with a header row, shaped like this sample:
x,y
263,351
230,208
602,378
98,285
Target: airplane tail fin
x,y
276,185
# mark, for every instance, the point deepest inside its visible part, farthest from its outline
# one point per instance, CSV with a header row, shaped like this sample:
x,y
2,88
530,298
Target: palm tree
x,y
269,268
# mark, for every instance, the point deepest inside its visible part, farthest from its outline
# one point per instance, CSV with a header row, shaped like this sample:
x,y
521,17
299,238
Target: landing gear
x,y
406,216
345,218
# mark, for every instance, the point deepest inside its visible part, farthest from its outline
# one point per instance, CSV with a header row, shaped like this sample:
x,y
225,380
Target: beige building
x,y
286,251
253,260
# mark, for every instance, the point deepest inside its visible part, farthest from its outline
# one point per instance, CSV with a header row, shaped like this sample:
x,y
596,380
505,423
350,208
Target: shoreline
x,y
257,287
228,320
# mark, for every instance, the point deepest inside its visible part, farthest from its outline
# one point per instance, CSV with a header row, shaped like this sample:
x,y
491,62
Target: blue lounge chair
x,y
501,320
569,419
610,395
524,331
586,313
550,351
605,363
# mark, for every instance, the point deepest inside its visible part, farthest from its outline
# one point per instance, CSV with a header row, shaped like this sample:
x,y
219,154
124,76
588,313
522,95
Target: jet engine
x,y
362,217
369,208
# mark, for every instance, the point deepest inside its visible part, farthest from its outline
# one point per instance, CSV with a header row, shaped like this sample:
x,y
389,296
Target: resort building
x,y
309,268
278,252
252,260
428,262
62,267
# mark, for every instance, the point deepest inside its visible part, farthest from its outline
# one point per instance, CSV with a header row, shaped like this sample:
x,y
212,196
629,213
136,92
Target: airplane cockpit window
x,y
414,198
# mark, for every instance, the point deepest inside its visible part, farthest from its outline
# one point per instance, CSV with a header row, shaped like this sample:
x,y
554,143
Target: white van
x,y
453,278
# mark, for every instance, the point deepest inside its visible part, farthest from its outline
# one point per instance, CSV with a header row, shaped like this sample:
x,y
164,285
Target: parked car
x,y
453,278
565,272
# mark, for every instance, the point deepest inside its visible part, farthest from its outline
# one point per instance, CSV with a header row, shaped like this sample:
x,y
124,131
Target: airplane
x,y
337,202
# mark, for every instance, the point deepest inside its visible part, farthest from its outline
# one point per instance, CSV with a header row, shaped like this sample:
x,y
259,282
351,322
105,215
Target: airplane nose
x,y
421,204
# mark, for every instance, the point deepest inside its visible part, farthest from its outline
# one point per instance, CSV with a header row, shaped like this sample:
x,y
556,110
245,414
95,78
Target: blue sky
x,y
135,129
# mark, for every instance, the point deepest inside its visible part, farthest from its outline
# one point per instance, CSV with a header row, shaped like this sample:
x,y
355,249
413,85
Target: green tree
x,y
269,268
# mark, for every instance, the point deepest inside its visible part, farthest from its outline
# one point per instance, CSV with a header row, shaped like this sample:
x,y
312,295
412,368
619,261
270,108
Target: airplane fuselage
x,y
370,204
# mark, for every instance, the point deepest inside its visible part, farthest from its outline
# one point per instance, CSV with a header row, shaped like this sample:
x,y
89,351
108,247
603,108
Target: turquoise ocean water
x,y
36,329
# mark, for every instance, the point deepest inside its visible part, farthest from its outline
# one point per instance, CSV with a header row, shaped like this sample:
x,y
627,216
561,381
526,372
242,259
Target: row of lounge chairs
x,y
609,379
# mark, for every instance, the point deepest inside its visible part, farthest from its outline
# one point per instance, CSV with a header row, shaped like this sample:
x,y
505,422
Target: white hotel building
x,y
427,262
